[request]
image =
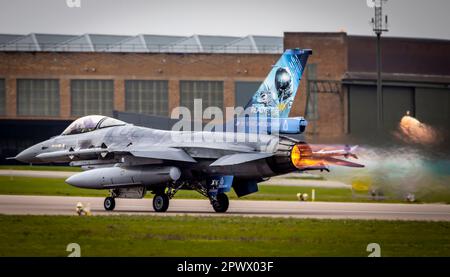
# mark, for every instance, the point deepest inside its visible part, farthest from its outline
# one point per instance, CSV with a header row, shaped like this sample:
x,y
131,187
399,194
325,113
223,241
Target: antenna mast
x,y
379,24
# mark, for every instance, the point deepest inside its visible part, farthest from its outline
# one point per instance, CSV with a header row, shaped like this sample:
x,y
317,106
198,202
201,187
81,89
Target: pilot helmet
x,y
282,80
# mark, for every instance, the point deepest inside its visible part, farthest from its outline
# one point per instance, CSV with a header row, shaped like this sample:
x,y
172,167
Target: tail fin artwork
x,y
276,94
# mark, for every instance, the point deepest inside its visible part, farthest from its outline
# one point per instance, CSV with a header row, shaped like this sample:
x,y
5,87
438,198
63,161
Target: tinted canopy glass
x,y
90,123
109,122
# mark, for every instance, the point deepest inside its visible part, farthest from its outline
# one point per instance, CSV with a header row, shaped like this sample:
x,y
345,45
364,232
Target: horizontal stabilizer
x,y
335,161
346,152
239,158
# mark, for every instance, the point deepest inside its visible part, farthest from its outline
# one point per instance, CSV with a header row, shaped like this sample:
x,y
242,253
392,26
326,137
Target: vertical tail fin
x,y
276,94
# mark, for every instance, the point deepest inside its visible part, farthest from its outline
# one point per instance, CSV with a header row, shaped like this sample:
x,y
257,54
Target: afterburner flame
x,y
302,157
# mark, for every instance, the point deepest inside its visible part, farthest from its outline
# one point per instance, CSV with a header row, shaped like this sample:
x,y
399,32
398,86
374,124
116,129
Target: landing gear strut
x,y
109,203
221,203
160,202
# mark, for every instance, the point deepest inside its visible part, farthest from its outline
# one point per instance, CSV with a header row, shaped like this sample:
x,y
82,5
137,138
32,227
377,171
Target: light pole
x,y
379,26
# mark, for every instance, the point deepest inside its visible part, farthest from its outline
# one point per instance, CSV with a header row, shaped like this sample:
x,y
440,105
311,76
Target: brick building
x,y
48,80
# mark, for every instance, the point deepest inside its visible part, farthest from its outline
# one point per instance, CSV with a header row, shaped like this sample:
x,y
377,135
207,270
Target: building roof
x,y
140,44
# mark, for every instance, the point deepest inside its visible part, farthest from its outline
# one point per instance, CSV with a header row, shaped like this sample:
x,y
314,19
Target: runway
x,y
61,205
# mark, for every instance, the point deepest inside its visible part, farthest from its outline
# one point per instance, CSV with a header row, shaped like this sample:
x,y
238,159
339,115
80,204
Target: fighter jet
x,y
130,161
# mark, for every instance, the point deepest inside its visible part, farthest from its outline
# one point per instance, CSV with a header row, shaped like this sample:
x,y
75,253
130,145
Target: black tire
x,y
109,204
221,204
160,202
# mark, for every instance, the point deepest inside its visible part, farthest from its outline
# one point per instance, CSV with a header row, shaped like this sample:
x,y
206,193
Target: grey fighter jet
x,y
130,161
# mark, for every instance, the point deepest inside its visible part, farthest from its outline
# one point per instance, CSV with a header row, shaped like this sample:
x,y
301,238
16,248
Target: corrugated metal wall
x,y
429,105
396,102
362,109
433,106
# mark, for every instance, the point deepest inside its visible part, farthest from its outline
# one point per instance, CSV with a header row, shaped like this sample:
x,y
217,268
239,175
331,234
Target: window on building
x,y
38,97
147,97
211,93
312,112
92,97
2,97
244,92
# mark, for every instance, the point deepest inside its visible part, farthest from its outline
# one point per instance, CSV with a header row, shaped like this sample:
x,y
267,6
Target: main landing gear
x,y
221,203
160,202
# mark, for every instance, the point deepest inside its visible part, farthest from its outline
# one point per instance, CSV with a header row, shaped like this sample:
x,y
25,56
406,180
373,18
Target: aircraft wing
x,y
164,153
239,158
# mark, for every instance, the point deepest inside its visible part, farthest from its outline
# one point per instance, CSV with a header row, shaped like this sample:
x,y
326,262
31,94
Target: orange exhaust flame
x,y
303,157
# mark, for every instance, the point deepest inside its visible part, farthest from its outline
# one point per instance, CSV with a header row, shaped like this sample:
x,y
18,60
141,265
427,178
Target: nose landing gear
x,y
109,204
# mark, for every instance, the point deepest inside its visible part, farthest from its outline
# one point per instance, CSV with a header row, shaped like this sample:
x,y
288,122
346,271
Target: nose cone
x,y
29,155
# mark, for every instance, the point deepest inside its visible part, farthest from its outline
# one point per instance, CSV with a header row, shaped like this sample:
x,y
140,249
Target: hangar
x,y
47,80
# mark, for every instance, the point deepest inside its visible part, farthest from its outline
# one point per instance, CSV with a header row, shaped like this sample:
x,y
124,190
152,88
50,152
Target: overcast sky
x,y
407,18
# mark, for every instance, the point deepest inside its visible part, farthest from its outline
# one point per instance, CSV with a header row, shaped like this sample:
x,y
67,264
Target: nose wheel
x,y
160,202
109,204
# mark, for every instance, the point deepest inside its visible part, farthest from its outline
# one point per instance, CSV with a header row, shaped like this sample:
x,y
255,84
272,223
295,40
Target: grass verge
x,y
218,236
40,168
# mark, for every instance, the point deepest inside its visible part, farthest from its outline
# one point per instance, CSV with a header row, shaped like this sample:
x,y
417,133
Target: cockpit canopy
x,y
90,123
